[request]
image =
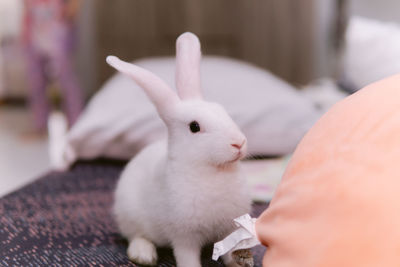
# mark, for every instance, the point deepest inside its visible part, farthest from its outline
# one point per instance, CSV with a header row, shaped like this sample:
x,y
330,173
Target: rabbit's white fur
x,y
182,192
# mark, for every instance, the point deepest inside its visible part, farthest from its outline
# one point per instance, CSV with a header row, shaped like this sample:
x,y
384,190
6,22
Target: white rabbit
x,y
183,192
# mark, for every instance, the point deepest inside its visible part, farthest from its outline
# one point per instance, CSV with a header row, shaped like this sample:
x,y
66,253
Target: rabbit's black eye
x,y
194,127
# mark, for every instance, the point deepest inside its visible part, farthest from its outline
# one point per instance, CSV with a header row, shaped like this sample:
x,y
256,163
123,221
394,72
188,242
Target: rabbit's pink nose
x,y
238,146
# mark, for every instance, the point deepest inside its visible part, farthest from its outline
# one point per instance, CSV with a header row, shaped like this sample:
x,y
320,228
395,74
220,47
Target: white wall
x,y
387,10
11,12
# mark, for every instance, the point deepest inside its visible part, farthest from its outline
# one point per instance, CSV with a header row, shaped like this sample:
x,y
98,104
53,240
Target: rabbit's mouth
x,y
228,165
237,157
231,162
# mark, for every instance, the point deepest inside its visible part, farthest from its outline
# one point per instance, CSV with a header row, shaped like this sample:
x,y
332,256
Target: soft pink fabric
x,y
339,201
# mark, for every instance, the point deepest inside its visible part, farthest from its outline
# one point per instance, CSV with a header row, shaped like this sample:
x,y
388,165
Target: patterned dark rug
x,y
63,219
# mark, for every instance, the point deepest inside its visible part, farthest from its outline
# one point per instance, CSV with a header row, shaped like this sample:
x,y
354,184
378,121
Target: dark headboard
x,y
297,40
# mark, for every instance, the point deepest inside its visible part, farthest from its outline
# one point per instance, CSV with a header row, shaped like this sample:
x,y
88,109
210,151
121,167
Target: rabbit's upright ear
x,y
163,97
188,56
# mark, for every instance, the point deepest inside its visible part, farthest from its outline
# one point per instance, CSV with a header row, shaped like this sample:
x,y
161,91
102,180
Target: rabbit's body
x,y
157,206
183,192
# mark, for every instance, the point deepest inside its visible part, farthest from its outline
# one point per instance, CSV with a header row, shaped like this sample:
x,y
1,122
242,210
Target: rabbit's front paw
x,y
142,251
243,257
239,258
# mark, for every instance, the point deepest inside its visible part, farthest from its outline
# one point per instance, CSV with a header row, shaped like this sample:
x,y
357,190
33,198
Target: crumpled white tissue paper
x,y
244,237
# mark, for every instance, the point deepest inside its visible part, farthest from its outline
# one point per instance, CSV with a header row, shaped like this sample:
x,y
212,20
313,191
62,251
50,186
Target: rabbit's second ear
x,y
188,56
162,96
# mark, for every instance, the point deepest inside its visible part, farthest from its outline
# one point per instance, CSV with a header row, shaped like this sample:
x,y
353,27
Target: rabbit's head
x,y
199,131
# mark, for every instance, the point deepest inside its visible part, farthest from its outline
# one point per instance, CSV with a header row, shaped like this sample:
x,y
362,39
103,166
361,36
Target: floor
x,y
23,157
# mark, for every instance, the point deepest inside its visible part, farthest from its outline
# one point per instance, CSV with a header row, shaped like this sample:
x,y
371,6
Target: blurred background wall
x,y
293,39
385,10
297,40
11,60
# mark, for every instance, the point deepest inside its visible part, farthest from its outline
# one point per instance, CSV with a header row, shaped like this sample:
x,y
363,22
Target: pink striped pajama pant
x,y
57,65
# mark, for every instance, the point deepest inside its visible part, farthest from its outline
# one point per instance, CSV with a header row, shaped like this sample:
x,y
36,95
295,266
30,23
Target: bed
x,y
64,219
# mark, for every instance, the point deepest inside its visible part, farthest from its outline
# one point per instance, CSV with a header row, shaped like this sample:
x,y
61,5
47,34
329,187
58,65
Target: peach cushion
x,y
339,200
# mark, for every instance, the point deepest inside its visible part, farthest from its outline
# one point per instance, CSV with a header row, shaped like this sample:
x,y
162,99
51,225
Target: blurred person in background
x,y
49,38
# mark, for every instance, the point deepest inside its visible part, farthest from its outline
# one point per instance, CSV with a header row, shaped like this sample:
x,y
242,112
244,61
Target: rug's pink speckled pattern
x,y
64,219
